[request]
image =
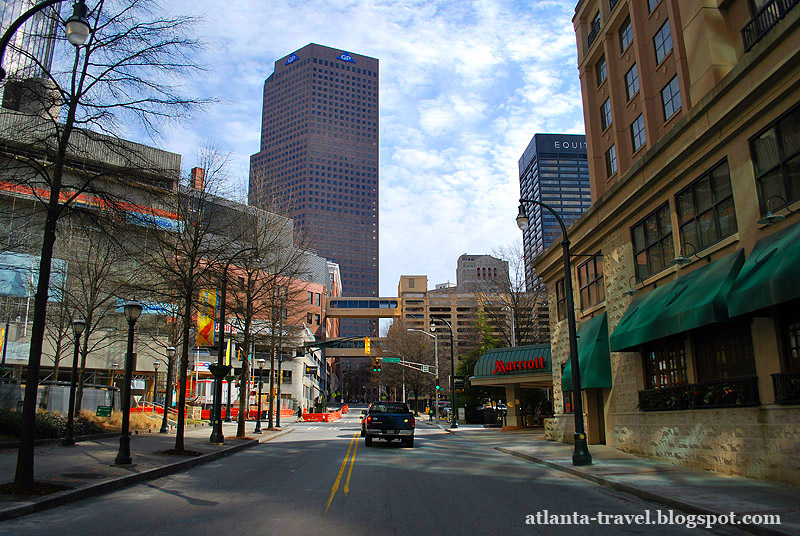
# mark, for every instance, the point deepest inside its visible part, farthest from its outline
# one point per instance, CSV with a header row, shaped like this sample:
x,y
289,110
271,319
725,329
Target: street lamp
x,y
217,437
78,325
453,417
156,364
435,366
132,311
261,362
77,26
114,367
167,390
580,455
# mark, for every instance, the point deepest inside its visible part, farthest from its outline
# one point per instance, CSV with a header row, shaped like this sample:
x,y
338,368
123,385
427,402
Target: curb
x,y
638,492
93,490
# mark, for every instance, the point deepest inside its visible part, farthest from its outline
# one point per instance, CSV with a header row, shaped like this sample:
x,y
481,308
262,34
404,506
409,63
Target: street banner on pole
x,y
206,309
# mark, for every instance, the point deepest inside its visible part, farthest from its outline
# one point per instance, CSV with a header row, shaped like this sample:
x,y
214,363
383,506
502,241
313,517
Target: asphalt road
x,y
322,480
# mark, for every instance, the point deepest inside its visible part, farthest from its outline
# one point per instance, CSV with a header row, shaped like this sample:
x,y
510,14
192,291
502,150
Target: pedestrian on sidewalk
x,y
299,413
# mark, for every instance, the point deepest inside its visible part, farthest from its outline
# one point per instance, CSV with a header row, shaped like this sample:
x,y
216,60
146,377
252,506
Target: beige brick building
x,y
695,166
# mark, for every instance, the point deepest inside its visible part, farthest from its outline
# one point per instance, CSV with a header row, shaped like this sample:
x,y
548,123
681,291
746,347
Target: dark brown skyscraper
x,y
319,160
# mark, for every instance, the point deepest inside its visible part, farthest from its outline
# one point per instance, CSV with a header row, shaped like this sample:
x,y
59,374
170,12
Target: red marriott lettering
x,y
501,367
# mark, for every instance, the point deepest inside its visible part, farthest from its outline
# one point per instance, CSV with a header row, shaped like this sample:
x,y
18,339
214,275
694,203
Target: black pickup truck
x,y
388,420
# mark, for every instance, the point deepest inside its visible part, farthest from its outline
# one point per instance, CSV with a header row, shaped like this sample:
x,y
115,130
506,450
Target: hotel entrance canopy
x,y
529,366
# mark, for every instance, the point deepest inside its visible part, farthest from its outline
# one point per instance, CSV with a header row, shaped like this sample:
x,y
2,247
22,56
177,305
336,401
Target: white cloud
x,y
463,87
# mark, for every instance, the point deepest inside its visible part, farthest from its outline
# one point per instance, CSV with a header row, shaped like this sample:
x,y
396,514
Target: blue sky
x,y
463,87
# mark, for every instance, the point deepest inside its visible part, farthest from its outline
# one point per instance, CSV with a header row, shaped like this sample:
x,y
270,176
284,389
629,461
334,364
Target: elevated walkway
x,y
363,307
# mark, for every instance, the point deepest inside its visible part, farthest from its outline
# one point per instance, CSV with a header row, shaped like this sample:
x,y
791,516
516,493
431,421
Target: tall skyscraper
x,y
319,161
554,170
30,50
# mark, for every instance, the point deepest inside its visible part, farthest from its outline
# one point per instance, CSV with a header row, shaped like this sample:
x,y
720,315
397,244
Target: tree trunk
x,y
244,387
23,478
184,370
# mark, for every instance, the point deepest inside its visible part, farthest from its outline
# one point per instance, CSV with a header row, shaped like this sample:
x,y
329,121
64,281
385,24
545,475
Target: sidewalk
x,y
691,490
88,467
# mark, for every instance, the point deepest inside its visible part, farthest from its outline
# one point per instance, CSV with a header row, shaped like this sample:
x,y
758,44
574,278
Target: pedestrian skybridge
x,y
363,308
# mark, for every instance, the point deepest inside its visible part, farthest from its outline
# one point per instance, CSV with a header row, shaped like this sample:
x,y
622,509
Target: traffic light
x,y
366,345
376,367
437,384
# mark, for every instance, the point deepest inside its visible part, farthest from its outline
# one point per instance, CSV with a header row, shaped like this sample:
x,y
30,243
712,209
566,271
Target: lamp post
x,y
78,325
580,455
5,344
77,26
114,367
217,437
167,390
453,417
156,364
435,366
261,362
132,311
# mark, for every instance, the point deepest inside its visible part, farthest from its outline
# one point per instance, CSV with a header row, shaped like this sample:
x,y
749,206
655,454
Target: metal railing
x,y
762,22
722,393
786,387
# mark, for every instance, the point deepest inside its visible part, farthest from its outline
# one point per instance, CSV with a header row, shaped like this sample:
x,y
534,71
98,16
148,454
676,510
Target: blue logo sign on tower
x,y
291,59
344,56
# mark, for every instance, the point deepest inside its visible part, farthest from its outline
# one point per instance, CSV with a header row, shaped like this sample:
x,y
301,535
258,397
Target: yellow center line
x,y
335,487
350,471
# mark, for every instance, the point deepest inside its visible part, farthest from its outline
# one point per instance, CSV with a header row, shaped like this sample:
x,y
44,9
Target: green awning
x,y
770,275
501,362
593,355
696,299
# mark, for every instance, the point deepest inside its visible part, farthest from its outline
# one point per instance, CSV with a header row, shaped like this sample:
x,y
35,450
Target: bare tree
x,y
186,259
125,78
270,290
413,347
99,274
507,292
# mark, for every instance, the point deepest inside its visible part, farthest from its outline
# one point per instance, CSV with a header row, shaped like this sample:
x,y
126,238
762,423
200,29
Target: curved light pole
x,y
167,390
77,26
132,311
78,325
581,455
435,366
453,417
217,437
261,362
513,335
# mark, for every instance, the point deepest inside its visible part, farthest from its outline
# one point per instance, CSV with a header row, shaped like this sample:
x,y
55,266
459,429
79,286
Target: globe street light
x,y
261,362
435,366
453,417
167,390
132,311
78,325
221,370
580,455
77,26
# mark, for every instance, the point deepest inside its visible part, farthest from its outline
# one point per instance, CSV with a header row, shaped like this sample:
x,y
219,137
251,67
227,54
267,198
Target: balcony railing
x,y
594,32
762,22
612,4
786,387
724,393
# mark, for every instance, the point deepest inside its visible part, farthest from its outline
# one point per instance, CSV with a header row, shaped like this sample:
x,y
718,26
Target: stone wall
x,y
761,442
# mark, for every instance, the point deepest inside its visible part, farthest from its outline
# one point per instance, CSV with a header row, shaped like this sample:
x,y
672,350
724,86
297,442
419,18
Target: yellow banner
x,y
206,310
228,353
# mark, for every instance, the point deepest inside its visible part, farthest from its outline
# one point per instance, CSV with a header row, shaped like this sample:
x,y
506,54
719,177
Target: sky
x,y
464,85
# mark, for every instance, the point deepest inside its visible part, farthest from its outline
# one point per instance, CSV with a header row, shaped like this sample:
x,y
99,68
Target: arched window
x,y
479,272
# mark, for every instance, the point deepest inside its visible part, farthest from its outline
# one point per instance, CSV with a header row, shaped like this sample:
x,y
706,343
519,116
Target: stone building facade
x,y
695,239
